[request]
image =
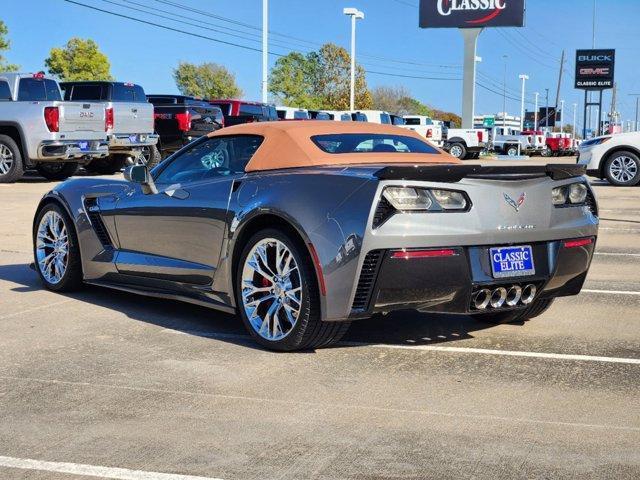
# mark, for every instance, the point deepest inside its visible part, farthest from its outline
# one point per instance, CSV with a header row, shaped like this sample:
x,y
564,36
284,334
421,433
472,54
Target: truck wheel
x,y
107,166
512,150
547,152
458,150
278,296
537,308
57,170
150,156
11,168
623,169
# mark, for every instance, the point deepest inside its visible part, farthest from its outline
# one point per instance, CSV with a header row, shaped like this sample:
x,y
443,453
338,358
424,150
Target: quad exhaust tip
x,y
504,297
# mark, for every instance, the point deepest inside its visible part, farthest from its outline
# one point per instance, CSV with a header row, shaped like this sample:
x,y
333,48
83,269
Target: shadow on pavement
x,y
398,328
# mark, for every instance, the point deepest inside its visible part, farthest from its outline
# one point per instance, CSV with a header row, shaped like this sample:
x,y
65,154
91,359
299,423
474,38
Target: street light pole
x,y
561,115
504,95
535,112
546,109
355,14
575,112
524,78
265,50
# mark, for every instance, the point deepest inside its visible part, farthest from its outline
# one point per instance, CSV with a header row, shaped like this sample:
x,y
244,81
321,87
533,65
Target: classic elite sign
x,y
471,13
594,69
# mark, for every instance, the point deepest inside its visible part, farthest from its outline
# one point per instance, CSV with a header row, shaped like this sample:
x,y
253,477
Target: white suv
x,y
616,158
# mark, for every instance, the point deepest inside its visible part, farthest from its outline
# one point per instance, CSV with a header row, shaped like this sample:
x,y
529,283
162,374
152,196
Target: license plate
x,y
84,146
509,262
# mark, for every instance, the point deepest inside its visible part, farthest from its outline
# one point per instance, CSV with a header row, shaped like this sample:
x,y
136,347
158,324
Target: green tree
x,y
208,80
319,80
292,81
4,46
456,120
398,100
79,59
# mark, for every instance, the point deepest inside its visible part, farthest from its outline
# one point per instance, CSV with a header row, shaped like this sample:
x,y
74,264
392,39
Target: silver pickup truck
x,y
129,120
39,130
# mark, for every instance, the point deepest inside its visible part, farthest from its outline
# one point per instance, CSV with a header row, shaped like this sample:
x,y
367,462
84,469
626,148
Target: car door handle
x,y
177,193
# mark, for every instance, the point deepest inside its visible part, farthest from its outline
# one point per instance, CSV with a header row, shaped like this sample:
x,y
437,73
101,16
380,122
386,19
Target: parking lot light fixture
x,y
355,14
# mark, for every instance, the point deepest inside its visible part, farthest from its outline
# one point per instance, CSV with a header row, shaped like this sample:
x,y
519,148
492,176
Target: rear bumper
x,y
447,284
125,142
61,150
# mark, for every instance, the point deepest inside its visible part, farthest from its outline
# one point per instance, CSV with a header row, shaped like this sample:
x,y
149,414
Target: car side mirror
x,y
141,174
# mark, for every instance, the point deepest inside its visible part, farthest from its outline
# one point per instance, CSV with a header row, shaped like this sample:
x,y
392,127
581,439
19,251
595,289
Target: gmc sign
x,y
471,13
595,69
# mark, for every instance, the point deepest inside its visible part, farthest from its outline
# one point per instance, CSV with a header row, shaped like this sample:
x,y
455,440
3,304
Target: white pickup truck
x,y
425,126
39,130
465,143
506,140
130,122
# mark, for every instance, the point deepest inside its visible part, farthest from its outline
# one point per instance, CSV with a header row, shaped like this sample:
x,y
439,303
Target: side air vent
x,y
384,211
93,212
367,280
590,203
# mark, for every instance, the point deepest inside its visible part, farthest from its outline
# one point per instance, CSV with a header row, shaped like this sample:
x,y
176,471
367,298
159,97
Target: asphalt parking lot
x,y
106,384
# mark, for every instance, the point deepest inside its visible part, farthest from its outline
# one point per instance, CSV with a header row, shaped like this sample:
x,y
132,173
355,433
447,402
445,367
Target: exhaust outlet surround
x,y
481,299
528,294
498,297
514,294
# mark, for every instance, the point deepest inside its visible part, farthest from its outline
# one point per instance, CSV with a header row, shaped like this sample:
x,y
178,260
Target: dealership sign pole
x,y
594,72
471,16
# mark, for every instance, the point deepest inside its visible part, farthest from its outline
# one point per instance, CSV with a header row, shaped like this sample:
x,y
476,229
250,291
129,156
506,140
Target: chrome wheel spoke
x,y
271,289
52,247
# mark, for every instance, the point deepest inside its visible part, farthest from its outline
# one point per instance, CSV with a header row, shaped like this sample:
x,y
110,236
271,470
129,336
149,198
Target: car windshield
x,y
371,143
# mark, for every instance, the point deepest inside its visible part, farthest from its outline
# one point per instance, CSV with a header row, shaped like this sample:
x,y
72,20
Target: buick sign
x,y
594,69
471,13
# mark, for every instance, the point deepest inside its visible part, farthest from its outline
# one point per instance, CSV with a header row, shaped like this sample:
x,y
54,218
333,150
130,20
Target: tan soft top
x,y
288,144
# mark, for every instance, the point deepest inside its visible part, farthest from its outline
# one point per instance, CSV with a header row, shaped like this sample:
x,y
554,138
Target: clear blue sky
x,y
146,54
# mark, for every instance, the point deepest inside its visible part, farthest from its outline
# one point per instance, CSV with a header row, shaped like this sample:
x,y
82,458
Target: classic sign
x,y
595,69
471,13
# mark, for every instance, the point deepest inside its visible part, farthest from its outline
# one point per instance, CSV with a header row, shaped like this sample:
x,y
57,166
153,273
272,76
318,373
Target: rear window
x,y
282,114
300,115
163,100
324,116
38,90
385,118
398,121
371,143
359,117
5,91
225,107
345,117
85,92
412,121
127,92
248,109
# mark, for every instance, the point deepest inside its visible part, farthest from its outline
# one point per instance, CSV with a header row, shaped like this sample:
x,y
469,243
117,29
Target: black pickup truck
x,y
180,119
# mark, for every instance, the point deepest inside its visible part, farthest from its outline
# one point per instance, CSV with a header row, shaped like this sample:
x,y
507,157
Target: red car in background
x,y
243,111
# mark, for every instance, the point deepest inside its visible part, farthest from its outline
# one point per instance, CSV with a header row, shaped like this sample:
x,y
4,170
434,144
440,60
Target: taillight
x,y
184,121
108,119
480,135
429,133
52,118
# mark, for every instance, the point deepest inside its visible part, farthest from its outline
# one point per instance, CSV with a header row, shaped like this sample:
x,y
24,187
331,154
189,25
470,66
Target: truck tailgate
x,y
132,117
81,117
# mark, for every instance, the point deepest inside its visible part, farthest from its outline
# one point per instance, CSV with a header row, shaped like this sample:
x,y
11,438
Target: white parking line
x,y
608,254
438,348
625,230
611,292
92,470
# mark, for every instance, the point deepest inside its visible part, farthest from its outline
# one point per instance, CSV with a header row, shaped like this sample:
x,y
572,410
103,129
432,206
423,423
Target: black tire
x,y
458,150
309,331
619,179
57,170
537,308
547,152
509,149
151,156
108,165
12,166
72,278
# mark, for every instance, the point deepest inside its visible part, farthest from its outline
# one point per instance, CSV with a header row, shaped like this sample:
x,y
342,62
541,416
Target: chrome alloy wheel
x,y
623,169
6,159
52,247
456,151
271,289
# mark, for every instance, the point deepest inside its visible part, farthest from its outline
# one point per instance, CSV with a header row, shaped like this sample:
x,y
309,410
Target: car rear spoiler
x,y
455,173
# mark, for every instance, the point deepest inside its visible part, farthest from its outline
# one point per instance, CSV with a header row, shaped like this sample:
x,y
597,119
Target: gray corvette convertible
x,y
303,227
